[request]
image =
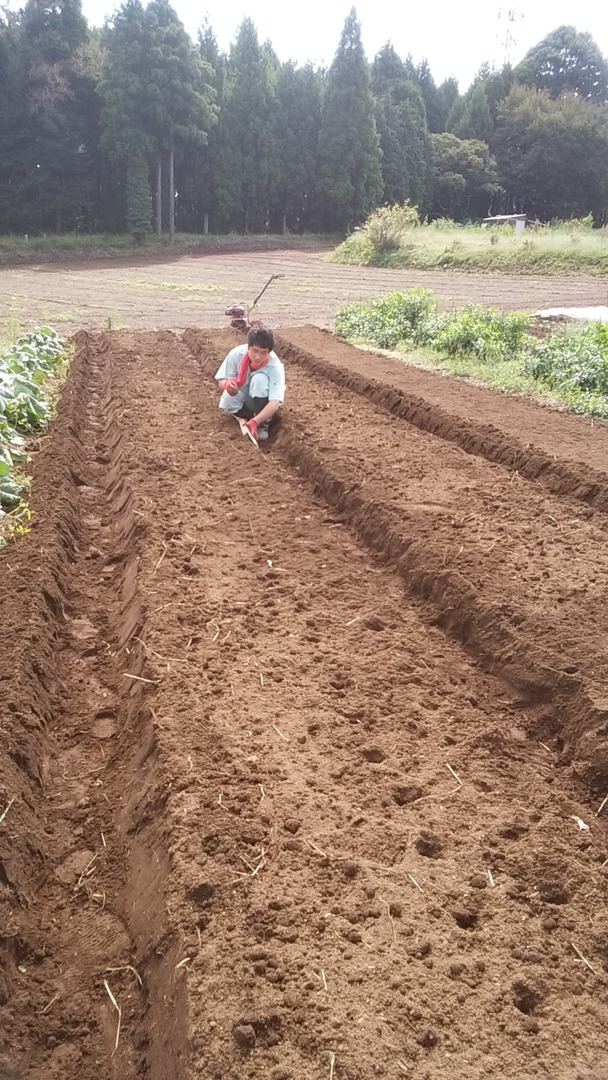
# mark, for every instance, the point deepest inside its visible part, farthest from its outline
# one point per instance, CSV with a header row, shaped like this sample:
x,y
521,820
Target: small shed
x,y
517,220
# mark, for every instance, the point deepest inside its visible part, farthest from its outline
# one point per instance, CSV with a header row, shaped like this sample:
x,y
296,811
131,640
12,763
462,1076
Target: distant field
x,y
157,293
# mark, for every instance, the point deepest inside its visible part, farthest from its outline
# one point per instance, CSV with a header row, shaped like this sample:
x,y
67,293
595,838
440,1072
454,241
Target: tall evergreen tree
x,y
455,114
402,130
123,89
247,173
497,85
156,97
447,94
349,177
297,136
430,95
179,108
197,174
50,145
475,121
17,133
124,85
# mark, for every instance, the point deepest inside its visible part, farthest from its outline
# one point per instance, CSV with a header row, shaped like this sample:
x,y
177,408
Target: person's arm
x,y
228,371
267,412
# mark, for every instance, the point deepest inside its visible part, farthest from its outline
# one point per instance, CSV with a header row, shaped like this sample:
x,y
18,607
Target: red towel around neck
x,y
244,366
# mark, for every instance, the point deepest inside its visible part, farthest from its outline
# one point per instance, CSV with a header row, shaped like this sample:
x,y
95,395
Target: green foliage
x,y
484,333
412,316
298,116
402,129
349,181
178,83
385,322
566,61
292,149
47,125
386,226
578,359
475,121
465,176
139,204
246,179
24,408
571,367
553,154
557,249
434,100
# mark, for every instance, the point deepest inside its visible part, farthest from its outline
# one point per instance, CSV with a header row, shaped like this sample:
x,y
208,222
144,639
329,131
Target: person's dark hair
x,y
260,336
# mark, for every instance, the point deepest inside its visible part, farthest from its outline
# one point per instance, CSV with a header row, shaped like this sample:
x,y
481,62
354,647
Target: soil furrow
x,y
324,835
79,944
564,437
370,859
509,569
561,477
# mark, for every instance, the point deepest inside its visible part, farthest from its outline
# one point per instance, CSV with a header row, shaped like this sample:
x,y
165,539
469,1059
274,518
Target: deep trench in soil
x,y
303,749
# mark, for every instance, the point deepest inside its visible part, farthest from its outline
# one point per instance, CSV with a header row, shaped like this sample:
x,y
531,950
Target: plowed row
x,y
304,749
194,291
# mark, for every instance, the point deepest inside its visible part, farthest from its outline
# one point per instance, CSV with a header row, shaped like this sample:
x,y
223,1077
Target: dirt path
x,y
194,291
304,747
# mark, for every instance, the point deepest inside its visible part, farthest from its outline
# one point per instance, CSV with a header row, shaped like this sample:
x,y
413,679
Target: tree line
x,y
136,127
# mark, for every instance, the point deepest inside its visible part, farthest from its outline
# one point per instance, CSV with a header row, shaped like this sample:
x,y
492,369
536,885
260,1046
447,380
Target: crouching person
x,y
252,379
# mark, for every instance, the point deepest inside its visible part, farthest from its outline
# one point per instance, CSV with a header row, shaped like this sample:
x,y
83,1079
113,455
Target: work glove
x,y
232,387
252,426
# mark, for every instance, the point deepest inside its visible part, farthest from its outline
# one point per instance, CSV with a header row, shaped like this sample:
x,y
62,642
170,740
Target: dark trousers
x,y
258,404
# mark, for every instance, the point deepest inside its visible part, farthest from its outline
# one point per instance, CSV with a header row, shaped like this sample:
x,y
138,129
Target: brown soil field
x,y
193,291
304,750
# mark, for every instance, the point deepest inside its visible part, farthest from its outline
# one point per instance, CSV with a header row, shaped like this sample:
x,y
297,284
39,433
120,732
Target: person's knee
x,y
231,403
258,385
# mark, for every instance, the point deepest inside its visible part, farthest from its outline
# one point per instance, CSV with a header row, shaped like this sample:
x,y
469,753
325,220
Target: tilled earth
x,y
304,750
195,290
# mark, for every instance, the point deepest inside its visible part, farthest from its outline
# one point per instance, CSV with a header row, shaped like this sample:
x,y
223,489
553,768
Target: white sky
x,y
456,36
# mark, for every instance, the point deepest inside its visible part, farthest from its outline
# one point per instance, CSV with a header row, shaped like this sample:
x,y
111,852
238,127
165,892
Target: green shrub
x,y
386,226
385,322
481,332
576,360
24,405
356,250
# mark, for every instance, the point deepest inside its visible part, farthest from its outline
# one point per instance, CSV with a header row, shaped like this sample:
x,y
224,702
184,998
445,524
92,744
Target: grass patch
x,y
174,286
569,368
559,249
75,246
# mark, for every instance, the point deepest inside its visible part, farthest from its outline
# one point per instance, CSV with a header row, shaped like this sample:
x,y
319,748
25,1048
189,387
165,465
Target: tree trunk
x,y
171,195
159,196
205,223
284,226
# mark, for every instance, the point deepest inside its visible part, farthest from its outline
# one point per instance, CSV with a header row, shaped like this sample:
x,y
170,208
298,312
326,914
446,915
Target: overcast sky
x,y
456,36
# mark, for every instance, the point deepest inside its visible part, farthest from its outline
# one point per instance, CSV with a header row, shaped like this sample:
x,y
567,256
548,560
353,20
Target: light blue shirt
x,y
274,371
